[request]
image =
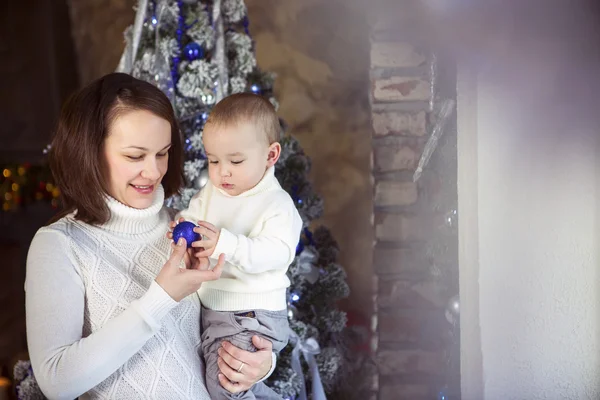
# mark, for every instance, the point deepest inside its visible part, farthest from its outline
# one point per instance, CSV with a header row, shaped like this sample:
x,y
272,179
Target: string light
x,y
21,184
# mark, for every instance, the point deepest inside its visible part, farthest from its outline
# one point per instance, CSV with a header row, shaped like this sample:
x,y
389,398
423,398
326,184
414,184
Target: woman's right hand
x,y
188,258
172,226
179,282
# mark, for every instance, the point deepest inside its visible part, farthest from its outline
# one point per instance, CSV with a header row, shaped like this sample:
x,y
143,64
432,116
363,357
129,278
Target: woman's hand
x,y
172,226
188,258
236,377
180,282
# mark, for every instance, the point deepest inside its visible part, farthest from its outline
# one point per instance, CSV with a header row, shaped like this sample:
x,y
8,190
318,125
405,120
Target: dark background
x,y
38,70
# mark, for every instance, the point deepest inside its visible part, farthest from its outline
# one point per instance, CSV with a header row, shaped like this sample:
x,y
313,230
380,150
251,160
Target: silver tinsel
x,y
234,10
329,361
192,168
289,387
244,60
333,320
446,109
169,47
181,202
198,79
304,265
433,76
196,141
202,32
170,14
145,64
187,107
165,49
237,84
133,41
220,52
26,386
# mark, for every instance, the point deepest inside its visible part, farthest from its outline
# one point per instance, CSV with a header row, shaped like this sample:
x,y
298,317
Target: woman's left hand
x,y
236,377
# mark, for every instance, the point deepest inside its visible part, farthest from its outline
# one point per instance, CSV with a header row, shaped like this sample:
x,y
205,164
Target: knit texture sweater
x,y
260,229
98,325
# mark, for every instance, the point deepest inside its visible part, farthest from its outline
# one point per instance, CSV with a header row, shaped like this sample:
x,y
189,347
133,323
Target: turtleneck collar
x,y
129,220
263,185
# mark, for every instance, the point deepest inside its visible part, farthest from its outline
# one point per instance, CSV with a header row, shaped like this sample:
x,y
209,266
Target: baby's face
x,y
238,156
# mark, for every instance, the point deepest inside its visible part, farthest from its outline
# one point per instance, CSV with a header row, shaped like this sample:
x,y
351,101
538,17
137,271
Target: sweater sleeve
x,y
273,248
66,364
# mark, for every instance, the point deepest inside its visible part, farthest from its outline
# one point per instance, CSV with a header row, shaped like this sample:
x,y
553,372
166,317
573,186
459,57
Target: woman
x,y
109,314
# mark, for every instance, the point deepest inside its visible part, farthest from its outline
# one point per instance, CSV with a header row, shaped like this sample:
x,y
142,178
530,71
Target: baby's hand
x,y
210,237
172,226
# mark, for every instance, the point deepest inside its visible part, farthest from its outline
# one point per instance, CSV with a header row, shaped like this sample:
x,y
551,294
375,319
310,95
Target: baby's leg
x,y
238,328
216,327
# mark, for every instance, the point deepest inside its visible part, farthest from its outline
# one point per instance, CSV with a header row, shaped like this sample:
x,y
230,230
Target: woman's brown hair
x,y
76,156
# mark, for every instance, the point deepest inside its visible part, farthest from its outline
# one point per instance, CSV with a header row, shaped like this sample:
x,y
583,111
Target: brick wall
x,y
409,303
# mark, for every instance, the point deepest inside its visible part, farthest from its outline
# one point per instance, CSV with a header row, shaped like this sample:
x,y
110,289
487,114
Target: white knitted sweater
x,y
98,325
260,229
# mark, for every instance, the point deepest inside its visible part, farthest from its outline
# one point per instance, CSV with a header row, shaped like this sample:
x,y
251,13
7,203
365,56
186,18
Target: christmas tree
x,y
198,52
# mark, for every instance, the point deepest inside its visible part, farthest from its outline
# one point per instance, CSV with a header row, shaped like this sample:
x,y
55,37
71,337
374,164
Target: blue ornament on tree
x,y
193,51
300,247
185,230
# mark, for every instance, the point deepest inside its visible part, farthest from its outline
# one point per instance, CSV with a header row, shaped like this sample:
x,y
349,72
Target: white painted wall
x,y
529,191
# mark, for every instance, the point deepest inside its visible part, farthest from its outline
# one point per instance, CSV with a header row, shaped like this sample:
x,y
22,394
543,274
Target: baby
x,y
243,213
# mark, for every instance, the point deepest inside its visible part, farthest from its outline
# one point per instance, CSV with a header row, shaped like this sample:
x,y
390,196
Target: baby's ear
x,y
273,154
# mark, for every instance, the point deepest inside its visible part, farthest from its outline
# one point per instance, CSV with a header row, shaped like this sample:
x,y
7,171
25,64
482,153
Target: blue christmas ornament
x,y
185,230
300,247
193,51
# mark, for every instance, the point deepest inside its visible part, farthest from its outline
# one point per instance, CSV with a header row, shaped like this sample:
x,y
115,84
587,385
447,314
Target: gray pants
x,y
238,327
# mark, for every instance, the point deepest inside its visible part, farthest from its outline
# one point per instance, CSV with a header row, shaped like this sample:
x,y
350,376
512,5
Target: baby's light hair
x,y
246,107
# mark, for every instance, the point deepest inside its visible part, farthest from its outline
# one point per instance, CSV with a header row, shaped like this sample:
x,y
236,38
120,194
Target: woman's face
x,y
136,152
